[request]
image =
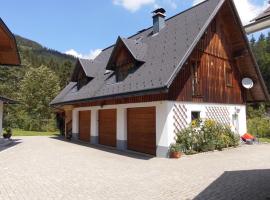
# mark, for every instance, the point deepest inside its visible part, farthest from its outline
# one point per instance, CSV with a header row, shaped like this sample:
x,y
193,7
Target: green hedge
x,y
259,127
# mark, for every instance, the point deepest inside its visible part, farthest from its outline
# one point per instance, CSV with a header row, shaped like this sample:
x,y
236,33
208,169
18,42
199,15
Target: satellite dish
x,y
247,83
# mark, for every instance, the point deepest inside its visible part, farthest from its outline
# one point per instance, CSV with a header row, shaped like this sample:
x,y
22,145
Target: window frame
x,y
121,74
195,78
197,112
228,76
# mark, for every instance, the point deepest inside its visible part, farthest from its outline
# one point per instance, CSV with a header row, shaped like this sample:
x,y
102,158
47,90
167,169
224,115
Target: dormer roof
x,y
136,49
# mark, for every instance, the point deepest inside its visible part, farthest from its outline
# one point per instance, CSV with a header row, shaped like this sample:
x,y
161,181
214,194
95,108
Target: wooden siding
x,y
107,127
141,130
214,57
125,100
8,47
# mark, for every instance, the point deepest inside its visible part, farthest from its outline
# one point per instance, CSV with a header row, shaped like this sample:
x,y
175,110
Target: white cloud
x,y
171,3
133,5
74,53
246,9
92,55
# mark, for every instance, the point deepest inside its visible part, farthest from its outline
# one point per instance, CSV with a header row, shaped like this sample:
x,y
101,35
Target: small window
x,y
195,115
214,26
229,77
195,79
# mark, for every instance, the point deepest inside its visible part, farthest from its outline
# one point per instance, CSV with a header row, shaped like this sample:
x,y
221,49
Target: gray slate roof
x,y
135,47
164,56
90,67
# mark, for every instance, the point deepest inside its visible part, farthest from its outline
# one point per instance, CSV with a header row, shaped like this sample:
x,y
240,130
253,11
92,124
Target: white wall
x,y
218,112
168,114
1,116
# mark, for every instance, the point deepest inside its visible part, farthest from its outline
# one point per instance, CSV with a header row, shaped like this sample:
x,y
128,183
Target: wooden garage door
x,y
107,127
84,125
141,128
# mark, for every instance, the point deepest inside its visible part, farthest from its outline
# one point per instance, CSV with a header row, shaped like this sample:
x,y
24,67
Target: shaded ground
x,y
47,168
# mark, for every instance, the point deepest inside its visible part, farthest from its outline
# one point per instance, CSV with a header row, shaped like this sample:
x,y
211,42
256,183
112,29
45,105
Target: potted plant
x,y
175,150
8,133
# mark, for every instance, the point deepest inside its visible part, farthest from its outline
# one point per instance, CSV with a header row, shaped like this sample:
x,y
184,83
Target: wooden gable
x,y
8,47
214,71
121,60
80,76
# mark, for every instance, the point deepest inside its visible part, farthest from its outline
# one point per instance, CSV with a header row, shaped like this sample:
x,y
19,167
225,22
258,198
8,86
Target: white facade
x,y
170,118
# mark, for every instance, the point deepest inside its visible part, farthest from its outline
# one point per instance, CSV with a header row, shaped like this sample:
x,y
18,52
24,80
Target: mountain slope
x,y
34,55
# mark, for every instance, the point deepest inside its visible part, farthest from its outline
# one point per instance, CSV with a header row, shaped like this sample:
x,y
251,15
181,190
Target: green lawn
x,y
264,140
18,132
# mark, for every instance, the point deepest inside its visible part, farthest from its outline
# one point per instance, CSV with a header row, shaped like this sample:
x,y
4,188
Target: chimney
x,y
158,20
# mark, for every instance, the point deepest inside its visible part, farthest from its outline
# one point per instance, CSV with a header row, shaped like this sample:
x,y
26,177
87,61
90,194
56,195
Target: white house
x,y
142,90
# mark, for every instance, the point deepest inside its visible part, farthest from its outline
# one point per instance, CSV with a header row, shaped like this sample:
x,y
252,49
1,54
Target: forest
x,y
44,72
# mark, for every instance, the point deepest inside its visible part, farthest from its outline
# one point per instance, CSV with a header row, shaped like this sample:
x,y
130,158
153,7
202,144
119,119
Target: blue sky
x,y
85,26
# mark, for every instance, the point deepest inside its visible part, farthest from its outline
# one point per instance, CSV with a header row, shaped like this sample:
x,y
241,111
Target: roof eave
x,y
265,90
113,96
15,44
257,25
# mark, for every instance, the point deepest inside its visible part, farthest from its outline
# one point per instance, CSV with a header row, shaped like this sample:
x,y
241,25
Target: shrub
x,y
259,126
176,147
8,130
206,136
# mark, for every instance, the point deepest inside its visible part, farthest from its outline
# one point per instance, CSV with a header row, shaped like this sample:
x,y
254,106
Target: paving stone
x,y
49,168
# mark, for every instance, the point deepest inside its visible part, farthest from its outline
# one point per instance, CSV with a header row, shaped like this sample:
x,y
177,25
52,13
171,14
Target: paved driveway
x,y
46,168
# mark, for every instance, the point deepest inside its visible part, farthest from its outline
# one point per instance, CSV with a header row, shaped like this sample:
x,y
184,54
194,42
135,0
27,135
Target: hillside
x,y
41,53
33,56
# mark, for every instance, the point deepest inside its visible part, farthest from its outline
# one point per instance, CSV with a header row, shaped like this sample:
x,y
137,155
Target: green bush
x,y
258,121
259,126
176,148
206,136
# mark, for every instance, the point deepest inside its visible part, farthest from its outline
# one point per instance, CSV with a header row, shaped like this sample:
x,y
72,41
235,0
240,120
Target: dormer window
x,y
84,72
123,71
127,55
82,81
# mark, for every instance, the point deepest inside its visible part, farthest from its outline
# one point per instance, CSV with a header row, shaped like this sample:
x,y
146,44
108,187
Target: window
x,y
82,82
195,79
229,77
123,71
195,115
214,26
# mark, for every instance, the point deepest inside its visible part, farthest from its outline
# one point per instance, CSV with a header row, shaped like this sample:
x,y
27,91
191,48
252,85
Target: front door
x,y
84,125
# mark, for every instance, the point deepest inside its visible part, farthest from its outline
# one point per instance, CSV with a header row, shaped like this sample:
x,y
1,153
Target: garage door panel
x,y
142,129
107,127
84,125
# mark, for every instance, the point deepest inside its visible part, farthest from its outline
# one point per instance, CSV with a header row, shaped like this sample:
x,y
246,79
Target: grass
x,y
18,132
267,140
